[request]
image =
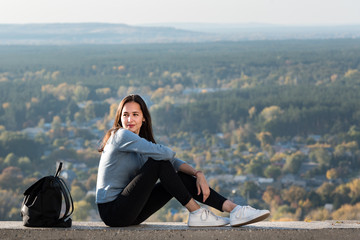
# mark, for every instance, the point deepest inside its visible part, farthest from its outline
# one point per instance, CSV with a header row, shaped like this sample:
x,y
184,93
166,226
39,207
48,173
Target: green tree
x,y
77,193
321,156
326,192
10,160
81,93
250,190
89,111
272,171
56,126
79,118
293,162
81,210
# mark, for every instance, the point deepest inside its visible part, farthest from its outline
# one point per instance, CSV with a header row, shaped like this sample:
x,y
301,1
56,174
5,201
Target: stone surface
x,y
264,230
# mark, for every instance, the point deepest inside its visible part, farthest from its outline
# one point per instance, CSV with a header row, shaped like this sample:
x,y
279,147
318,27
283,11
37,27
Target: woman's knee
x,y
186,177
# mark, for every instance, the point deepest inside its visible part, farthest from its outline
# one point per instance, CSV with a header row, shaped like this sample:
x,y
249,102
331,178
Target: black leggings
x,y
143,196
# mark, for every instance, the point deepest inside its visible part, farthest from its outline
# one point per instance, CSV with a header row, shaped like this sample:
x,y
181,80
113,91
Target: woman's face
x,y
132,117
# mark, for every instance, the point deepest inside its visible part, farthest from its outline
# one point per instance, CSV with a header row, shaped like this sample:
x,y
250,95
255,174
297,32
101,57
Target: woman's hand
x,y
202,185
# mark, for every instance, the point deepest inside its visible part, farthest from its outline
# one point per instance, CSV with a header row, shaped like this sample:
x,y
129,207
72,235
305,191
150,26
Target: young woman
x,y
128,190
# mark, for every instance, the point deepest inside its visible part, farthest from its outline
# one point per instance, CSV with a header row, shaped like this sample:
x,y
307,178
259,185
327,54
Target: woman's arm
x,y
201,182
128,141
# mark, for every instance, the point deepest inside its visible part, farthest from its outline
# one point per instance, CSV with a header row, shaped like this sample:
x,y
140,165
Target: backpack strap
x,y
69,205
58,170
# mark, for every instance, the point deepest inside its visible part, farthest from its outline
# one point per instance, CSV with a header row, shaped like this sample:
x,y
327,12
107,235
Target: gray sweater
x,y
124,154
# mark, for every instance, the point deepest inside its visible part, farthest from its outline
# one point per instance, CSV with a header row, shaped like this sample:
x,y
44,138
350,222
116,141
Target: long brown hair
x,y
146,127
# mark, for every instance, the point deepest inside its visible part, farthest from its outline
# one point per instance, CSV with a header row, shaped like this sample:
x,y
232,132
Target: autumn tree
x,y
272,197
265,138
293,195
9,205
347,212
11,178
319,214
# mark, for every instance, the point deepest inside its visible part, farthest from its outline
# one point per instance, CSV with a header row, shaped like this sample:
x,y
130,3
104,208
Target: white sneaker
x,y
205,218
242,215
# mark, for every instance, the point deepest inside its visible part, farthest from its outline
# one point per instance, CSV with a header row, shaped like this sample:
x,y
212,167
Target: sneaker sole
x,y
220,225
254,220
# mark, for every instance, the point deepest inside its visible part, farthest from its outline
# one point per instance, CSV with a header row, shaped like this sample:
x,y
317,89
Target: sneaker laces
x,y
207,212
242,211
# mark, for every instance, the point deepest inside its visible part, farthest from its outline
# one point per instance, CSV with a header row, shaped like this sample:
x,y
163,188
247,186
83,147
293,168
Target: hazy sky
x,y
288,12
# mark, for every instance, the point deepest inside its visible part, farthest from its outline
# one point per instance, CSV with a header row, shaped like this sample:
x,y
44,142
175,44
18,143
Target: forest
x,y
255,109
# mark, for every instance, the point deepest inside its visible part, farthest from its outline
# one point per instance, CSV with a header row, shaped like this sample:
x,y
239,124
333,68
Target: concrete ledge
x,y
329,230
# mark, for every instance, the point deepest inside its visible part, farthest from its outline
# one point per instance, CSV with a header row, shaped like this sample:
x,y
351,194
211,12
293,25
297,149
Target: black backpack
x,y
43,201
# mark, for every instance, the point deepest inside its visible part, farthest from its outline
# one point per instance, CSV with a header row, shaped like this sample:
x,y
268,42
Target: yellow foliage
x,y
278,157
354,187
178,87
159,93
55,75
320,214
331,174
319,145
6,105
103,91
351,72
347,212
294,194
34,100
305,204
176,75
65,91
3,79
81,210
112,112
271,113
252,111
166,74
333,77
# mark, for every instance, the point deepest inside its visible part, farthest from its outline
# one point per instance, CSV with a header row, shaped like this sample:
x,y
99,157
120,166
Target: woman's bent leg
x,y
160,196
157,199
125,209
214,200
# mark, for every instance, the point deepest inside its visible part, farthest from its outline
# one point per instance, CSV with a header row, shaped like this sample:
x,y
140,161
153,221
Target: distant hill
x,y
104,33
93,33
261,31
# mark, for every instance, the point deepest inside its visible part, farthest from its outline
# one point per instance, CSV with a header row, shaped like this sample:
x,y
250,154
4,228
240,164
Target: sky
x,y
138,12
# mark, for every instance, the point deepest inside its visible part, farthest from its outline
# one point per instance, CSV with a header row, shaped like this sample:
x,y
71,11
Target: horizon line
x,y
235,24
